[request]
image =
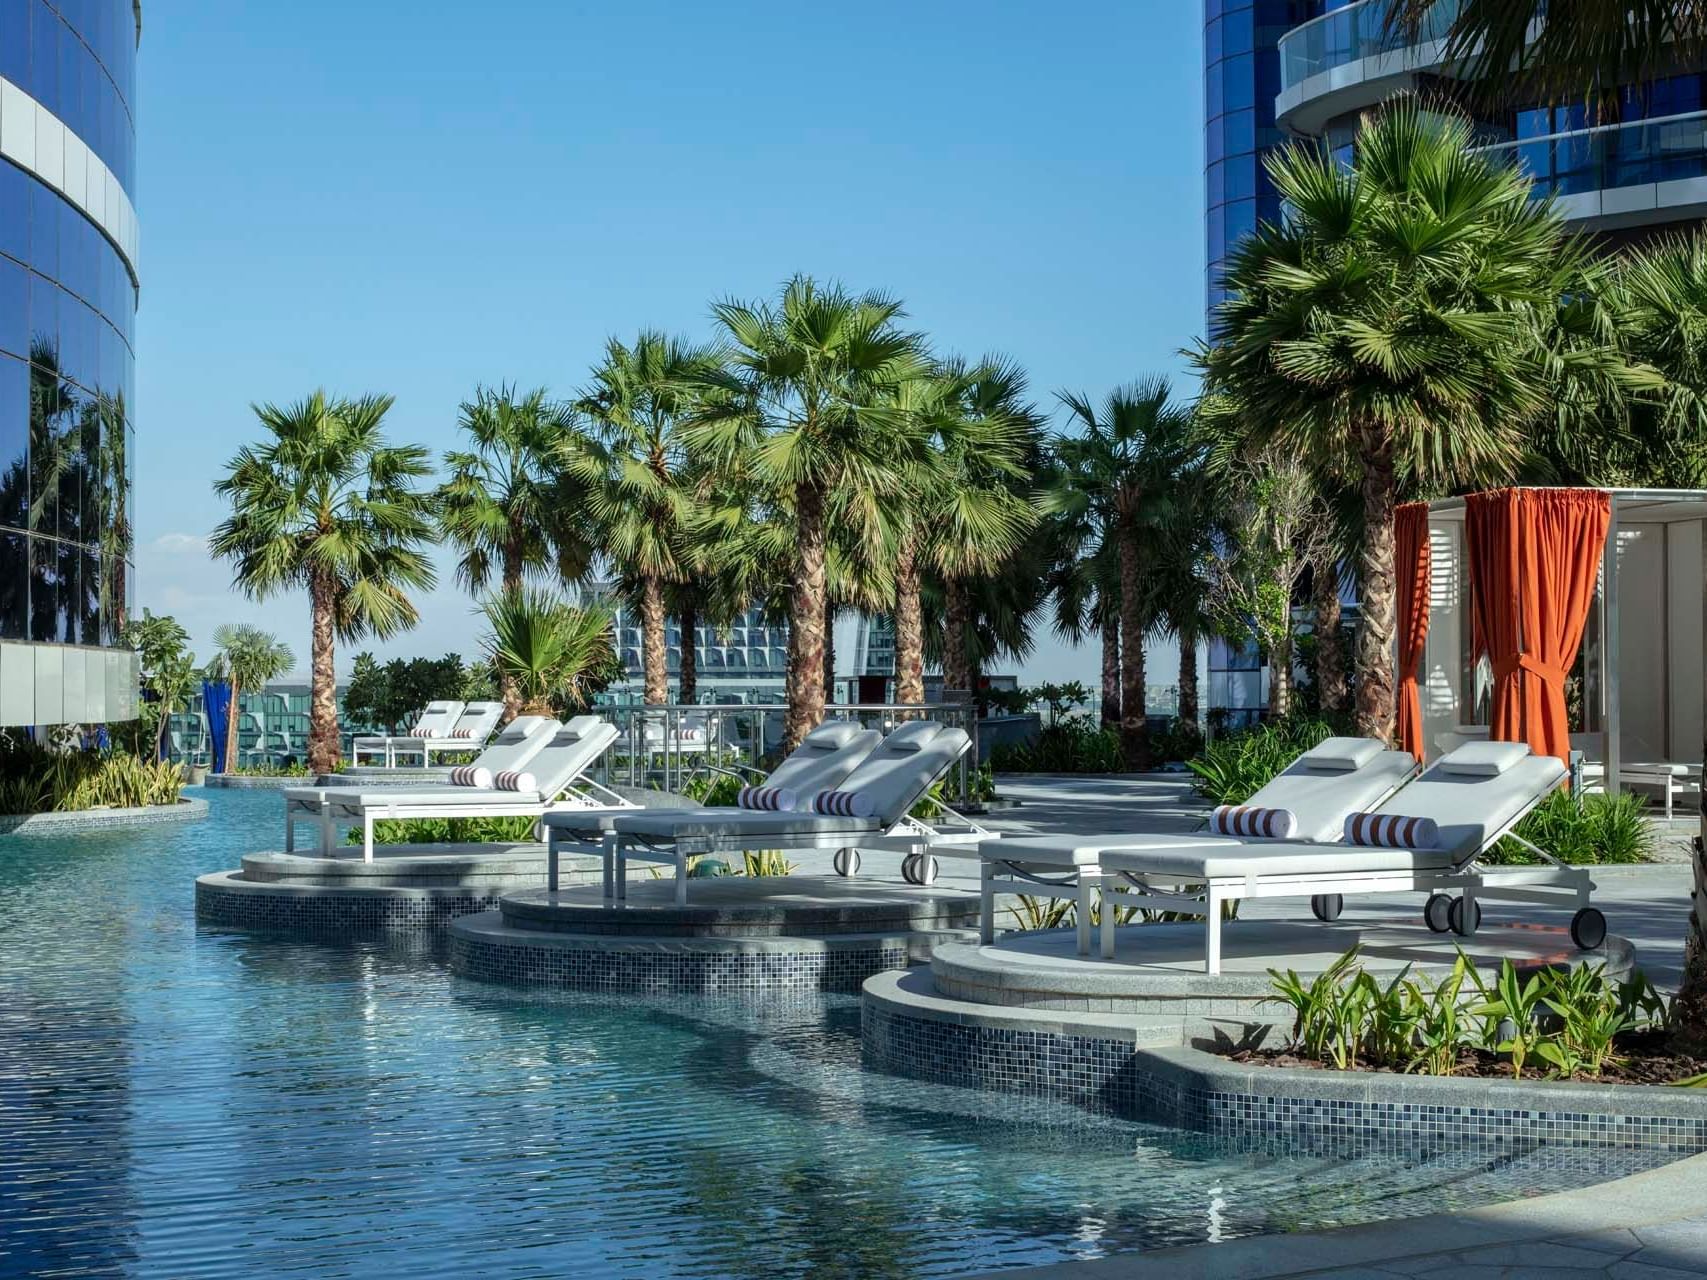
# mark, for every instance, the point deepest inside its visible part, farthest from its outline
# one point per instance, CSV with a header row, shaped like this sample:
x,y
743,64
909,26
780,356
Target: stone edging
x,y
187,809
1136,1067
252,782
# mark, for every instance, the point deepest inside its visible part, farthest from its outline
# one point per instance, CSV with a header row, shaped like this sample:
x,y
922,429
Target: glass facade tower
x,y
68,298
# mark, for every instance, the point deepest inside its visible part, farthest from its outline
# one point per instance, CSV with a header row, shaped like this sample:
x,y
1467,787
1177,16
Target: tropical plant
x,y
1119,475
1075,744
1236,766
1583,830
1327,1011
327,504
36,779
556,654
647,493
786,410
1507,1009
246,657
168,670
1392,320
509,505
505,830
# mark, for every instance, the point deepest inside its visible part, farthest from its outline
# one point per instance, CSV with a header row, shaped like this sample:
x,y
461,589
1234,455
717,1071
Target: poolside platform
x,y
738,935
404,887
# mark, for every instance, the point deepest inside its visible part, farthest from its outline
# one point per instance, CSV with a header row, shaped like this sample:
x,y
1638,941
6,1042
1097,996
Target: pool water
x,y
178,1101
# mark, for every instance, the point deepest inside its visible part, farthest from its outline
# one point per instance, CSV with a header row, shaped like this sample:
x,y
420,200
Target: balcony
x,y
1621,175
1348,59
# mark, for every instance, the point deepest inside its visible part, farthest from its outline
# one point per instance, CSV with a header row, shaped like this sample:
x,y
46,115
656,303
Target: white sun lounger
x,y
558,762
824,757
1338,776
468,731
896,773
439,718
1475,795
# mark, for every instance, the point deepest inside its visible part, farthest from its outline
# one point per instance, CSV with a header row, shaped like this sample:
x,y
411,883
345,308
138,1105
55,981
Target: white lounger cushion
x,y
1484,759
1340,755
1268,859
823,759
1089,851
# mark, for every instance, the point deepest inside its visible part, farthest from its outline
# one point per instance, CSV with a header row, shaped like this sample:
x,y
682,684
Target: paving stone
x,y
1619,1241
1630,1269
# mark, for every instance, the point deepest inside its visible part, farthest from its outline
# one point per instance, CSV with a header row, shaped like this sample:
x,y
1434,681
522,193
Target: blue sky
x,y
373,197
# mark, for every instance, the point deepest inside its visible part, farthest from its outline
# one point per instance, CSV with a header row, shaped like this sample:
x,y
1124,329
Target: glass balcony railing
x,y
1355,32
1617,155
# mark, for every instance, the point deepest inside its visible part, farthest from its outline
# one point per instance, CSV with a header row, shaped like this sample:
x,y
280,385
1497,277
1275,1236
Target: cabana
x,y
1571,619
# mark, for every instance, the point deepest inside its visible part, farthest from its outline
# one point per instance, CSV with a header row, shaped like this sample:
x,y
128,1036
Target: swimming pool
x,y
184,1102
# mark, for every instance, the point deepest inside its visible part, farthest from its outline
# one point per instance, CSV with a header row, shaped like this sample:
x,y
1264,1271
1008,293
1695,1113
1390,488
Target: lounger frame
x,y
1554,882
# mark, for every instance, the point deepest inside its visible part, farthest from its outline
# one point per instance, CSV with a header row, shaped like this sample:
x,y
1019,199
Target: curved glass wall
x,y
1347,33
67,318
78,59
1241,76
1611,156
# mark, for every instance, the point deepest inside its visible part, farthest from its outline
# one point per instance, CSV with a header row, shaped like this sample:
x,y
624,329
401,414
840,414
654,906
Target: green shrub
x,y
1234,768
34,779
1076,745
504,830
712,788
1569,1018
273,769
1602,829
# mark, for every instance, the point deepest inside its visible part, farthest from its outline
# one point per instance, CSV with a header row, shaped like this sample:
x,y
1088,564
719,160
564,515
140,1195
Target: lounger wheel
x,y
1327,906
918,868
1588,928
845,861
1437,912
1455,918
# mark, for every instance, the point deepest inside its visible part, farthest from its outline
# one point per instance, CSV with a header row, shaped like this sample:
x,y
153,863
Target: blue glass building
x,y
68,298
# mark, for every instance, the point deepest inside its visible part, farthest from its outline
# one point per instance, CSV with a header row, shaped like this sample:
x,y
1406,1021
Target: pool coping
x,y
186,809
1670,1193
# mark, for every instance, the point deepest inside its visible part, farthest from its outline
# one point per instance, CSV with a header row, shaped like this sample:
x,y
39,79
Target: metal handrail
x,y
1597,128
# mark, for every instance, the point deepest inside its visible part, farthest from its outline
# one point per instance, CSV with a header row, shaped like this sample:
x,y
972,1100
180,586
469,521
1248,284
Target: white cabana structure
x,y
1635,692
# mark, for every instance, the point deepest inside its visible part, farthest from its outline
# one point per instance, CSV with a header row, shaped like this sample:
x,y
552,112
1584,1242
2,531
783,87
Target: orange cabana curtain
x,y
1534,557
1411,560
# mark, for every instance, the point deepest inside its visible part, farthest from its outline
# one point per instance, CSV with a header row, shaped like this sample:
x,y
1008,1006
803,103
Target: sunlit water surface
x,y
179,1102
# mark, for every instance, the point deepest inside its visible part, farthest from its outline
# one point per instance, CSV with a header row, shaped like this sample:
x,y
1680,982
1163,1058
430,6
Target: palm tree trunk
x,y
1134,739
807,609
229,764
508,689
653,657
909,625
956,663
830,654
687,622
1110,674
1330,654
323,747
1377,591
1188,676
1280,676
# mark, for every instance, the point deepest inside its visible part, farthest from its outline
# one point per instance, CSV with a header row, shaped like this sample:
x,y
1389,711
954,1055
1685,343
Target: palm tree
x,y
1179,577
168,666
1118,475
787,409
508,504
646,493
248,658
327,504
1388,321
1554,48
552,652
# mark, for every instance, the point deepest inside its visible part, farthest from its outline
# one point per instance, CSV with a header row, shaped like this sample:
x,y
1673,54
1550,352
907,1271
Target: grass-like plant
x,y
34,779
1234,768
1599,829
496,830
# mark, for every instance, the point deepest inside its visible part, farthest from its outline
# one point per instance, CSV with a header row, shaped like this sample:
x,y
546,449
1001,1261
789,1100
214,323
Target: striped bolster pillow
x,y
419,731
1253,820
845,804
462,733
470,775
1391,831
510,780
773,798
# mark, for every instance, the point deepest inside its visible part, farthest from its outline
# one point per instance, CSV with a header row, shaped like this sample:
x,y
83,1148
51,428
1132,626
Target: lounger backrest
x,y
477,721
567,754
522,739
437,720
902,767
1470,808
823,759
1338,777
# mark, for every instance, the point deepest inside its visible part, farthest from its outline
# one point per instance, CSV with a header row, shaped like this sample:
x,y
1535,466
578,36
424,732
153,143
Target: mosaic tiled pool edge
x,y
672,966
224,898
76,821
1200,1091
